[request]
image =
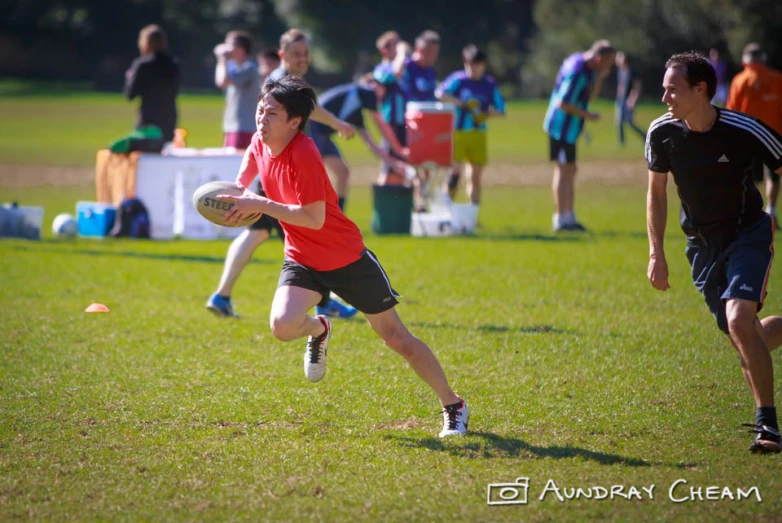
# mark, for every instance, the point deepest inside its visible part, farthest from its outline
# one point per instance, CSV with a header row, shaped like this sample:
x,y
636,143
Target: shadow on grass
x,y
534,237
135,254
639,235
494,446
509,236
528,329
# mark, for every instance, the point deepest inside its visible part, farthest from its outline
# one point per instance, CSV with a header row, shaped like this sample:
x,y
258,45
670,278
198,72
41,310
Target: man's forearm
x,y
388,133
321,115
572,109
221,73
656,216
294,215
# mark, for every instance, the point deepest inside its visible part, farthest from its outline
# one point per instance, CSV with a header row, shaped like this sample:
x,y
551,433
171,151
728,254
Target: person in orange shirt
x,y
757,91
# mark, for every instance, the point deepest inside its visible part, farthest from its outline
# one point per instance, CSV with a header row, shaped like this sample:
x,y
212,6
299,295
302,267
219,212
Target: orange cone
x,y
96,307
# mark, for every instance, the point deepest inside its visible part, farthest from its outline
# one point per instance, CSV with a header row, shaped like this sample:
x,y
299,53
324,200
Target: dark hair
x,y
152,38
697,68
242,39
602,48
472,54
427,37
294,94
272,54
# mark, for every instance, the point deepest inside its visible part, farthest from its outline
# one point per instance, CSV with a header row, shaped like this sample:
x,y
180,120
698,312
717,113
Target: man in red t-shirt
x,y
324,250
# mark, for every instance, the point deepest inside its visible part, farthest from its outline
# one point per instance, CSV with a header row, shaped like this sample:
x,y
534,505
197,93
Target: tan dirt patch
x,y
22,176
623,172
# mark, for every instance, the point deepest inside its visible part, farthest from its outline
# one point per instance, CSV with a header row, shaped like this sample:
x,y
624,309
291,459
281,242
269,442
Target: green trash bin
x,y
392,207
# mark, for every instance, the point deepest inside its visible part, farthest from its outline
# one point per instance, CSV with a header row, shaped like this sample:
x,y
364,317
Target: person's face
x,y
267,65
679,96
475,70
429,53
297,58
620,60
237,53
605,62
272,121
389,50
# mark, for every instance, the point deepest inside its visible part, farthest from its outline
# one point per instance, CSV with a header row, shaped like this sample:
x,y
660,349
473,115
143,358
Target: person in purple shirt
x,y
721,68
419,80
418,83
476,96
578,79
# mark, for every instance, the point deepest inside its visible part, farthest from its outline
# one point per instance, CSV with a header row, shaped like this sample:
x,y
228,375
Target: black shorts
x,y
400,131
561,152
363,283
736,267
759,170
266,222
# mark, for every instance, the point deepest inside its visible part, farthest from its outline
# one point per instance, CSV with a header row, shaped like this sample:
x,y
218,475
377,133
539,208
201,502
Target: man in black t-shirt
x,y
347,102
729,237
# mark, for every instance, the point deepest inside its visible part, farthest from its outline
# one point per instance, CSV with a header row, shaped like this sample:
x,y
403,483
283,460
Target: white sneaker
x,y
455,418
317,350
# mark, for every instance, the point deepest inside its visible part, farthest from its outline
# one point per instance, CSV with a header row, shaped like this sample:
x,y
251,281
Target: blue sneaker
x,y
335,309
221,306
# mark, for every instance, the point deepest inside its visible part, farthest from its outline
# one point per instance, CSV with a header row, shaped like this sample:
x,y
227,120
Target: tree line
x,y
94,41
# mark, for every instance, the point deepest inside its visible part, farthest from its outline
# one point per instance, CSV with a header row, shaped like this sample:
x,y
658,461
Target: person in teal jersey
x,y
476,96
579,77
392,105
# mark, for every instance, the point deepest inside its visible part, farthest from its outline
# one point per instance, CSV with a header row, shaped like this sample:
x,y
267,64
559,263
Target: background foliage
x,y
93,41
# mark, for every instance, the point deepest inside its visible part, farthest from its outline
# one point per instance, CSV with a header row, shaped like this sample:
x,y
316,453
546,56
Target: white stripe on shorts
x,y
385,277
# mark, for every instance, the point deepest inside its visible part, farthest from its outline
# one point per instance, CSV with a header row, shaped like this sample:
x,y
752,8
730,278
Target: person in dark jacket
x,y
154,77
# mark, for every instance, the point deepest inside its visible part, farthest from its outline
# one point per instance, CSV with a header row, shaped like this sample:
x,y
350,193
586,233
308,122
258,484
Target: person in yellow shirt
x,y
757,91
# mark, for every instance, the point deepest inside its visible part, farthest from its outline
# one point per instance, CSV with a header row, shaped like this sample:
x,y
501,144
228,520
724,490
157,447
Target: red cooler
x,y
430,132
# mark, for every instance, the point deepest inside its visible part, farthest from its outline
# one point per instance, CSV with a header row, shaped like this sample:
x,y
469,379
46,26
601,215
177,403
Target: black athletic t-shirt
x,y
346,102
713,170
155,78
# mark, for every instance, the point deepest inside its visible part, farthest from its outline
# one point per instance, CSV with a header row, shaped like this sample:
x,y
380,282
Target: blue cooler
x,y
95,219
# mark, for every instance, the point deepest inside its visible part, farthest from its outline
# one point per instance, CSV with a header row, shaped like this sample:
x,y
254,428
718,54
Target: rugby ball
x,y
206,203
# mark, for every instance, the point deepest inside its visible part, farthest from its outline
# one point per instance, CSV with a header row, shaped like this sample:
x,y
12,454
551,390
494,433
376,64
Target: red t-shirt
x,y
297,176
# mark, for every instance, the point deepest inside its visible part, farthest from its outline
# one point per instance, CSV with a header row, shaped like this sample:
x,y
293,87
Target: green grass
x,y
67,128
574,368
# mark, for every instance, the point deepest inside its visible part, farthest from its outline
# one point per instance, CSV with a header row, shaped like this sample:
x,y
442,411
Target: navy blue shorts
x,y
723,269
321,135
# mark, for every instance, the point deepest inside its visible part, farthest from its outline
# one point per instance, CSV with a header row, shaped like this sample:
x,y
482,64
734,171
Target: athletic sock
x,y
771,209
767,416
341,202
570,218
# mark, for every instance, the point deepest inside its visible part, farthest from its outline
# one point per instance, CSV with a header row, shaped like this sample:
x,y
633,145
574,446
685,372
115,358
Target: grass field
x,y
574,368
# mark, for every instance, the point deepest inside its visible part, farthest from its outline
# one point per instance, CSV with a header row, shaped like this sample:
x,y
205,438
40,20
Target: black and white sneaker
x,y
317,350
455,419
576,227
767,441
